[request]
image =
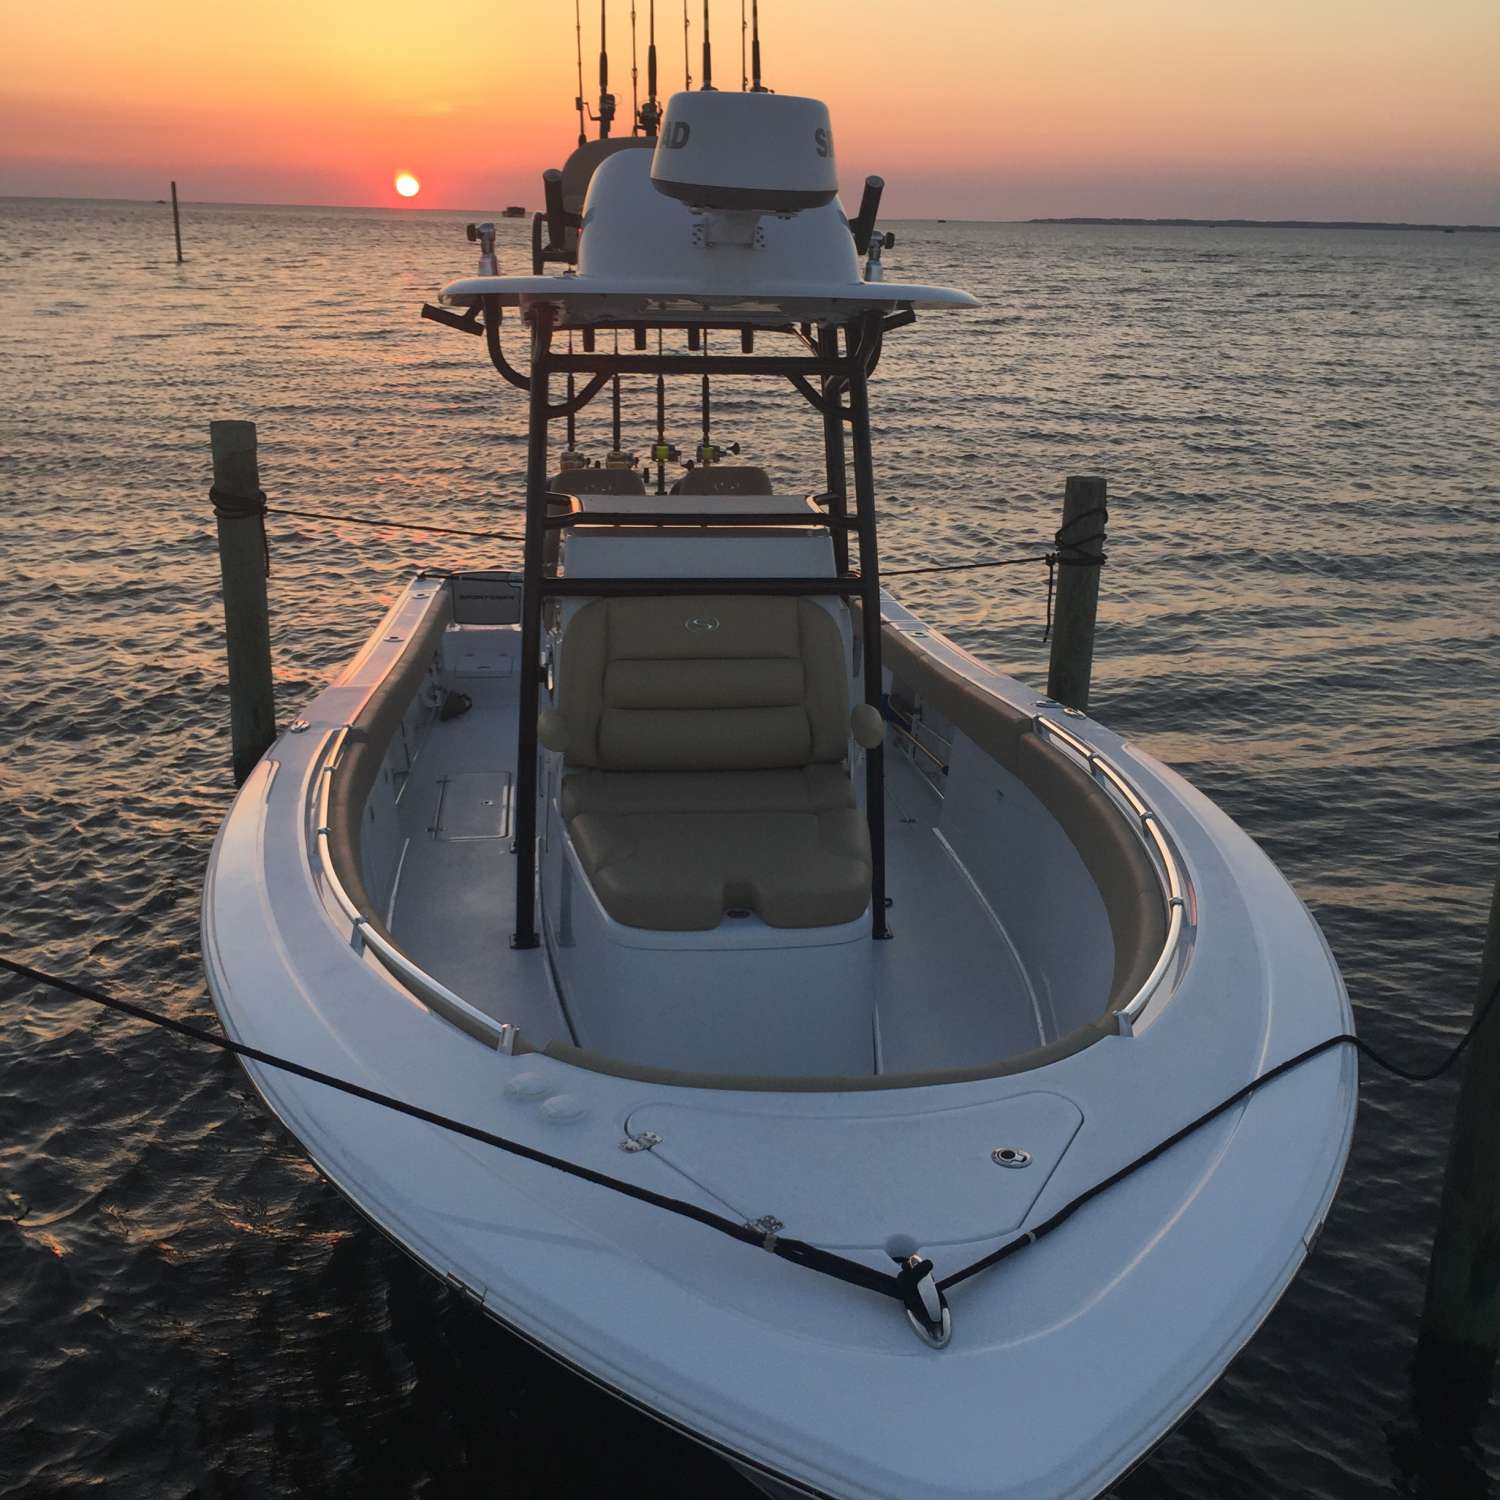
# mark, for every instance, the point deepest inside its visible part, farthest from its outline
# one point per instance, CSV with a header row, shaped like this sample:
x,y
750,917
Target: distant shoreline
x,y
1280,224
409,208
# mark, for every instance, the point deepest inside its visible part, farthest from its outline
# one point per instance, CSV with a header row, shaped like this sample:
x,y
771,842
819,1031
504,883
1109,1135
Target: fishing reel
x,y
606,116
713,453
484,236
664,452
570,459
617,459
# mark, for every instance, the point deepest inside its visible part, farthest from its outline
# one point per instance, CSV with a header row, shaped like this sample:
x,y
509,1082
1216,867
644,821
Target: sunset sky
x,y
1381,109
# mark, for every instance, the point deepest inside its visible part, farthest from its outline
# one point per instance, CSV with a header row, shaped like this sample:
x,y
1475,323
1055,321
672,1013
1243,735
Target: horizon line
x,y
1171,221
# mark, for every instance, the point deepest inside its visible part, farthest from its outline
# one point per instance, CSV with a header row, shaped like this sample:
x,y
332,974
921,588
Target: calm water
x,y
1300,433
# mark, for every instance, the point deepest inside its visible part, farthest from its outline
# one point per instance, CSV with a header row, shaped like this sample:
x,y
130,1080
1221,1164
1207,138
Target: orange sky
x,y
1380,109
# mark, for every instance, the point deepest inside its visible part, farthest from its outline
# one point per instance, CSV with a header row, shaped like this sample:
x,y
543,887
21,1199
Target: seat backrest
x,y
597,482
724,479
703,683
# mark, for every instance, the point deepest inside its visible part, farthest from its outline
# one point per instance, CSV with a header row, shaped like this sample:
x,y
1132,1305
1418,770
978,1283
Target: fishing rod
x,y
756,86
650,112
662,452
617,458
744,27
578,31
709,453
708,57
635,101
570,457
687,70
606,99
706,447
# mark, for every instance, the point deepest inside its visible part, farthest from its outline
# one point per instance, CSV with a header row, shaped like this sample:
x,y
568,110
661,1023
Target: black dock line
x,y
904,1286
759,1234
1065,555
379,523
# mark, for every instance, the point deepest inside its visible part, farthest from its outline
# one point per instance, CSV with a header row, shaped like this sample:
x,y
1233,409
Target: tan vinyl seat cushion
x,y
597,482
724,479
705,762
682,871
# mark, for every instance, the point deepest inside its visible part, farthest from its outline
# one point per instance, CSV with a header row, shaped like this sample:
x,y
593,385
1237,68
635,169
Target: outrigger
x,y
756,916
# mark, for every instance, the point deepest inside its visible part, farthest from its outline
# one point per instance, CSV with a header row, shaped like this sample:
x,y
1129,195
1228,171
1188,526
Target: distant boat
x,y
514,212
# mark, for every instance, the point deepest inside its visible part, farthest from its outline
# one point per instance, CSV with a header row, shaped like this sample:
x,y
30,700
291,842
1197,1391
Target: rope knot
x,y
1070,553
243,508
237,507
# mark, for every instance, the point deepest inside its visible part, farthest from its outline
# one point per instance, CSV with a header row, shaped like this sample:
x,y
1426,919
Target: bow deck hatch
x,y
856,1180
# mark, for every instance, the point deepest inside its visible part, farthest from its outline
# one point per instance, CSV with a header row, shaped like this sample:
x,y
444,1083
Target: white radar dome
x,y
745,152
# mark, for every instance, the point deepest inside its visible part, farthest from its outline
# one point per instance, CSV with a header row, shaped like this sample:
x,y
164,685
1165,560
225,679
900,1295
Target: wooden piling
x,y
1077,602
242,566
1460,1332
176,224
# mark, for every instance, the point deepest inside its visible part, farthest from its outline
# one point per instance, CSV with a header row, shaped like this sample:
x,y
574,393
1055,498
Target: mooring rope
x,y
382,524
998,562
760,1233
904,1286
244,508
1070,553
1067,551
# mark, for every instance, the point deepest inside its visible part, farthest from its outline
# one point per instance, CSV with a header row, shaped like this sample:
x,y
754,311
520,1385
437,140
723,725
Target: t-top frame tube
x,y
837,374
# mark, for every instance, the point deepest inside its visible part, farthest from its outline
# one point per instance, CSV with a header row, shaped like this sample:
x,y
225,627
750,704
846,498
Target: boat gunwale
x,y
1119,1018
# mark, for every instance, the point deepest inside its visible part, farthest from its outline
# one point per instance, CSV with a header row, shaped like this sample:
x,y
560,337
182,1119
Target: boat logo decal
x,y
701,624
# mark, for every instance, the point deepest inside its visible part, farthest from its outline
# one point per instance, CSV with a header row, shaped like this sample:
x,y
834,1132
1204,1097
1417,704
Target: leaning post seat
x,y
575,482
597,482
704,745
724,479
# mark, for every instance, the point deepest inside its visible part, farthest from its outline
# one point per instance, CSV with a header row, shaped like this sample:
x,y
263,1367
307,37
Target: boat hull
x,y
1067,1363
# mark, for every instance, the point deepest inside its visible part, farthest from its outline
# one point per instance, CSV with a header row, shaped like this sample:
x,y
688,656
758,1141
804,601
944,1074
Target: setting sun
x,y
407,185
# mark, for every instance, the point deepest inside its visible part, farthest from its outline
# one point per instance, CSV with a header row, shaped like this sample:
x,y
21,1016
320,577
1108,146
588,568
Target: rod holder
x,y
862,225
553,199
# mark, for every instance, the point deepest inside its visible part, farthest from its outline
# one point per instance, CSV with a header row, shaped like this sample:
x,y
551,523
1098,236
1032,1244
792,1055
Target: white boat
x,y
737,886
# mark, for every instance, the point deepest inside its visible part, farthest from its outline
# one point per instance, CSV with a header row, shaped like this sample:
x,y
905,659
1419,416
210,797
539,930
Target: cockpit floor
x,y
951,992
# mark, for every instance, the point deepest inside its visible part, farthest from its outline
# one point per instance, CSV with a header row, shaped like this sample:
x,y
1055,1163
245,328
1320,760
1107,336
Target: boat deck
x,y
949,988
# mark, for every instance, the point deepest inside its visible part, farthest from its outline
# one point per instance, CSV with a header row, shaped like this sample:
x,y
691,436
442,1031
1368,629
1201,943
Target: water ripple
x,y
1300,431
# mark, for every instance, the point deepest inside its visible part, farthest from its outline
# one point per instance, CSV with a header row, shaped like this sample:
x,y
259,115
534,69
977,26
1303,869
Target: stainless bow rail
x,y
363,935
1149,829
